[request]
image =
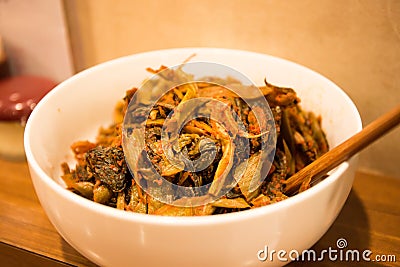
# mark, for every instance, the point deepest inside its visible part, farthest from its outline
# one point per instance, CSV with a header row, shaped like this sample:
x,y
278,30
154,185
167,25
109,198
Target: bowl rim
x,y
176,220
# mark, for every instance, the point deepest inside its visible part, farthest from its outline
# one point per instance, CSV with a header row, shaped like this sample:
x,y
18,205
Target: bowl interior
x,y
76,108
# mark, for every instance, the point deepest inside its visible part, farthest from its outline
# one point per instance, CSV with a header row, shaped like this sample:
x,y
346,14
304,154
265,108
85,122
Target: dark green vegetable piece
x,y
108,165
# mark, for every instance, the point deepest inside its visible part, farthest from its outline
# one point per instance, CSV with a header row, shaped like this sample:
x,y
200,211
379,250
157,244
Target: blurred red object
x,y
20,94
18,97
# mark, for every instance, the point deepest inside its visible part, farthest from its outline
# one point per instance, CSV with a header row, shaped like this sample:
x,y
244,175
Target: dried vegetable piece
x,y
108,165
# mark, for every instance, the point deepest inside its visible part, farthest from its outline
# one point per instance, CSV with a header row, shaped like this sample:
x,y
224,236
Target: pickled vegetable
x,y
102,175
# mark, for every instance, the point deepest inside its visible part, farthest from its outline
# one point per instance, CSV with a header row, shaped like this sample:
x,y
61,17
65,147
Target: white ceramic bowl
x,y
76,108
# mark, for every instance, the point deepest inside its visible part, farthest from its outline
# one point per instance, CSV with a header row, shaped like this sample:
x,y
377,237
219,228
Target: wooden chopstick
x,y
344,151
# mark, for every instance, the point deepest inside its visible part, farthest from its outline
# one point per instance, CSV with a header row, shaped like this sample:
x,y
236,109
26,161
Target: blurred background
x,y
355,43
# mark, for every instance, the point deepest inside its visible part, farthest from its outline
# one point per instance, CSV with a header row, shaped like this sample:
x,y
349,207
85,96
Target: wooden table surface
x,y
370,220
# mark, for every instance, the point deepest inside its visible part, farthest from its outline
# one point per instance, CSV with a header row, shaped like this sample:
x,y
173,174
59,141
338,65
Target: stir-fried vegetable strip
x,y
101,173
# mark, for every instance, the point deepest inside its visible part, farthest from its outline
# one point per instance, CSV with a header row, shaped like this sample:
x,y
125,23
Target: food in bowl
x,y
101,173
76,108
